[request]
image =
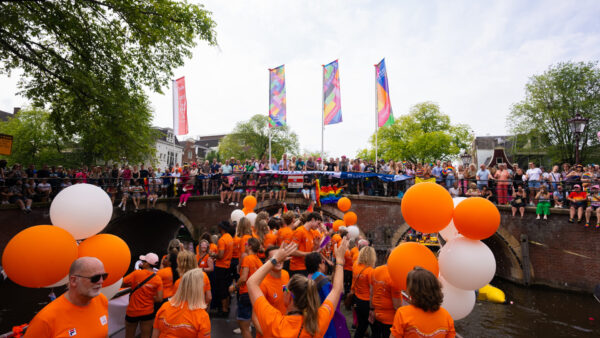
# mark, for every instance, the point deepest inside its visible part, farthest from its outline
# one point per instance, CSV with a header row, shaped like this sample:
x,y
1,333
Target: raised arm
x,y
254,281
338,278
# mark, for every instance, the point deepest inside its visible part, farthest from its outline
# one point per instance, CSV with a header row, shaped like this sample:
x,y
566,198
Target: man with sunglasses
x,y
82,311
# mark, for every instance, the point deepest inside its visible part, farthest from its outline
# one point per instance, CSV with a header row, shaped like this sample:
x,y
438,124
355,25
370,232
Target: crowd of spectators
x,y
575,187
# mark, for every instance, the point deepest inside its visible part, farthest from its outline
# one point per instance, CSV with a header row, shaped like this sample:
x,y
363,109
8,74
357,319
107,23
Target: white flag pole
x,y
175,119
322,115
376,121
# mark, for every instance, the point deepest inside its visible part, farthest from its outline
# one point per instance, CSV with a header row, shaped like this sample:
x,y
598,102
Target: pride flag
x,y
332,108
327,194
277,111
384,107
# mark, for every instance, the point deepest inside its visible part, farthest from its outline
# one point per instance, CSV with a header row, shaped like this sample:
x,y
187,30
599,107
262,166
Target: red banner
x,y
180,122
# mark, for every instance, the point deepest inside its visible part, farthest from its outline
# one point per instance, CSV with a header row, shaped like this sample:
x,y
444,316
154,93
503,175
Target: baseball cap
x,y
596,186
576,186
150,258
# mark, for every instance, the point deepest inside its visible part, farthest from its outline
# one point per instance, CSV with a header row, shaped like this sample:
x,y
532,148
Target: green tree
x,y
35,141
550,100
88,63
423,135
251,138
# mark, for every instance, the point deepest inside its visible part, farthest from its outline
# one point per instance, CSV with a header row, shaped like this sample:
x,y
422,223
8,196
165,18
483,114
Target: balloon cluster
x,y
249,203
40,256
349,221
465,263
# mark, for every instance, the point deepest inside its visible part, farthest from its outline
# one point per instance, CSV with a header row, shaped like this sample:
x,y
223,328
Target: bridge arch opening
x,y
148,231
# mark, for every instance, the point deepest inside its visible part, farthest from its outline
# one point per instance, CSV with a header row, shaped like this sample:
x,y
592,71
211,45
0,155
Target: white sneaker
x,y
231,203
237,331
179,205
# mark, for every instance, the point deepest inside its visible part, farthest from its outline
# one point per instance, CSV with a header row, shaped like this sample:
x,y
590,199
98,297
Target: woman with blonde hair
x,y
184,315
361,287
205,261
186,261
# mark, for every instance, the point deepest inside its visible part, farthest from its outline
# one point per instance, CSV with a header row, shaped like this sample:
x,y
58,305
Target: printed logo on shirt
x,y
72,332
103,320
275,295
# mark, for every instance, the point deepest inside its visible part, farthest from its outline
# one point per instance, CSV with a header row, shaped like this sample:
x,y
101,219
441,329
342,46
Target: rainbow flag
x,y
332,108
448,170
384,107
277,110
329,194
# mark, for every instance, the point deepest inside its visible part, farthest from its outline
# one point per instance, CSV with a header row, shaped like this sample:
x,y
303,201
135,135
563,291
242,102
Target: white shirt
x,y
533,174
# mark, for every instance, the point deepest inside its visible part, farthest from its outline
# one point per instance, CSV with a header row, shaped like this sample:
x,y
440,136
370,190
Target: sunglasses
x,y
95,278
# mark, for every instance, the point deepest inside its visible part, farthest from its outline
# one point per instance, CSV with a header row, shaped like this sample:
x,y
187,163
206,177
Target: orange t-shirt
x,y
272,288
284,235
166,275
354,252
237,247
410,321
61,318
270,240
336,238
141,302
361,284
304,239
213,248
253,263
383,292
203,261
244,243
348,262
206,284
225,243
275,324
181,322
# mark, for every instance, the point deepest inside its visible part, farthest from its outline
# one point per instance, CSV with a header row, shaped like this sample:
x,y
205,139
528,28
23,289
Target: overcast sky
x,y
473,58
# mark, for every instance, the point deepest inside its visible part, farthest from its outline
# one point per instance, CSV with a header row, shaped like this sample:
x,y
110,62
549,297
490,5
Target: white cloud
x,y
473,58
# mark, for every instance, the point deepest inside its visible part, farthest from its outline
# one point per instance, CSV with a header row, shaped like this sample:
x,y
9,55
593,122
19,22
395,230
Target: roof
x,y
164,133
491,142
4,116
210,141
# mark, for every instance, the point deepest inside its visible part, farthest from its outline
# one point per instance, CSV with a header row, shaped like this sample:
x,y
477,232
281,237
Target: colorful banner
x,y
385,116
332,107
277,100
180,121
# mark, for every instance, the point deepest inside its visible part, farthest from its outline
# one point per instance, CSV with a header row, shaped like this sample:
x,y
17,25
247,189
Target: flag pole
x,y
269,148
269,116
175,117
376,122
322,115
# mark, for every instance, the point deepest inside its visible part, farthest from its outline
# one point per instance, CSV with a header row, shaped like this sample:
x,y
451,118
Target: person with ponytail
x,y
425,316
306,316
361,286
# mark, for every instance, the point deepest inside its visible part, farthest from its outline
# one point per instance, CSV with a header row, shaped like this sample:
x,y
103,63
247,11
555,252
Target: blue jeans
x,y
449,181
481,184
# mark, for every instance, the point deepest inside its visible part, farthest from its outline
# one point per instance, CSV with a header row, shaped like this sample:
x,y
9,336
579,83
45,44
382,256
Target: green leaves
x,y
88,62
550,100
251,138
423,135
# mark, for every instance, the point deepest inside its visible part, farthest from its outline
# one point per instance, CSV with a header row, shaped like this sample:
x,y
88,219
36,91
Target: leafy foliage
x,y
88,62
554,97
423,135
251,138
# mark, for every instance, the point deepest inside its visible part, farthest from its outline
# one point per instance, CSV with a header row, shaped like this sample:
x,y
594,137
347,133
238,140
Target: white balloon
x,y
459,303
449,232
81,209
353,231
467,264
61,282
457,200
251,217
111,290
236,215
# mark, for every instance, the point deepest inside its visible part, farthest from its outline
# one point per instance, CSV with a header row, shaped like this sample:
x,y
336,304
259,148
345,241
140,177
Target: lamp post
x,y
577,125
466,159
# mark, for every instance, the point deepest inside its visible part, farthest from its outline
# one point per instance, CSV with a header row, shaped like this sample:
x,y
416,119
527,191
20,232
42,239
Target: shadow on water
x,y
144,231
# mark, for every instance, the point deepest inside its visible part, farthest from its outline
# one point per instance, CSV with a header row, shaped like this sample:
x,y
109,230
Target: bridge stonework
x,y
553,253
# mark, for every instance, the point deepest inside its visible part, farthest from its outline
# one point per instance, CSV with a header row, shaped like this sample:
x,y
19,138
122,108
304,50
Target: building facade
x,y
169,151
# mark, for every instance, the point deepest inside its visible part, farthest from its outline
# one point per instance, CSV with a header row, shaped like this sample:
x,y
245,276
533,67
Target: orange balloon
x,y
476,218
350,218
405,257
427,207
39,256
246,210
249,202
112,251
337,224
344,204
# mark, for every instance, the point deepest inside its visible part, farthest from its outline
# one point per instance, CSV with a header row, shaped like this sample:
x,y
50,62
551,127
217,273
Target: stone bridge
x,y
553,253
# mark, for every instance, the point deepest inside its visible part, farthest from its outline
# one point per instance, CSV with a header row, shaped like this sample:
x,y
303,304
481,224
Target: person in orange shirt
x,y
361,285
262,230
306,317
272,285
186,262
205,261
81,311
386,299
245,233
184,315
168,274
285,233
304,239
223,277
424,317
270,237
250,263
147,289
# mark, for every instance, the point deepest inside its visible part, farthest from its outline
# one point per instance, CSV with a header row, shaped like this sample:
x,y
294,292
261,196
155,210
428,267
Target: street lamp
x,y
466,159
577,125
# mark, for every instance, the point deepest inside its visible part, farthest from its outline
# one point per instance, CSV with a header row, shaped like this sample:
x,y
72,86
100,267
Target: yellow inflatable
x,y
491,294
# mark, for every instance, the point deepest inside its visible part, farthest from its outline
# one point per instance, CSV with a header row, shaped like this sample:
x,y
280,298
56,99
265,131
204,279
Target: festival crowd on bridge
x,y
567,186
